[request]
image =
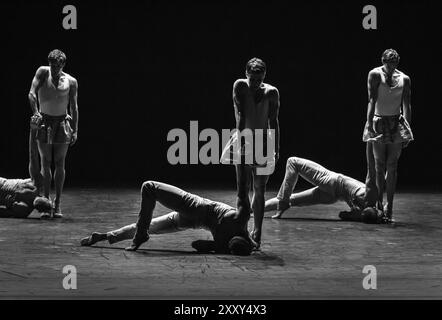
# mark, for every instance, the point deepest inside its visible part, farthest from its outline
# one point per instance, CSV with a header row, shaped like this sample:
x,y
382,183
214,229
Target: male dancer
x,y
329,188
228,227
256,107
56,90
19,197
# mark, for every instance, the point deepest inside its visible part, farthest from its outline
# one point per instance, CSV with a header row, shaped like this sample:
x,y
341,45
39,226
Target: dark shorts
x,y
54,130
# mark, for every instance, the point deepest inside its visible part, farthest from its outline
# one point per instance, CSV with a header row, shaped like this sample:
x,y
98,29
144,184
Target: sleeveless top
x,y
54,101
389,98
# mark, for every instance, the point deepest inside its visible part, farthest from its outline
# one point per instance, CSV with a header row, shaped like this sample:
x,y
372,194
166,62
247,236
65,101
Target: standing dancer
x,y
387,127
256,107
56,91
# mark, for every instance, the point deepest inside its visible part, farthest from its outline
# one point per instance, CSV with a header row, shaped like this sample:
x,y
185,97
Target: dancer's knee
x,y
59,163
147,186
46,163
291,162
392,166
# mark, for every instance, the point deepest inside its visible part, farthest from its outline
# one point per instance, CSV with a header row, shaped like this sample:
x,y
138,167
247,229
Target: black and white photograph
x,y
195,151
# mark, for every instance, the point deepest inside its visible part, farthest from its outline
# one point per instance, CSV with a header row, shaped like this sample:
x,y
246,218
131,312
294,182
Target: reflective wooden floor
x,y
309,253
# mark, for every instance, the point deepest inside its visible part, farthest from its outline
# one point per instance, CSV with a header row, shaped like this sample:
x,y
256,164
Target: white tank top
x,y
54,101
389,98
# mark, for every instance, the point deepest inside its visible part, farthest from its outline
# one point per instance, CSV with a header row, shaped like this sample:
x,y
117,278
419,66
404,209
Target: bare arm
x,y
37,82
274,118
73,105
373,84
406,100
239,88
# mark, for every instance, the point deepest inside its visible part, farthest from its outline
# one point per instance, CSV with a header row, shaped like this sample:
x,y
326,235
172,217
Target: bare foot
x,y
93,238
256,238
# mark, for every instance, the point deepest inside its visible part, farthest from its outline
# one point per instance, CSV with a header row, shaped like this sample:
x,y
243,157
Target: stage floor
x,y
309,253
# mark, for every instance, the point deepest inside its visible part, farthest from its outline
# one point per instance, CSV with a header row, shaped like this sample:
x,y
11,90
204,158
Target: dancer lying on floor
x,y
228,228
329,188
19,197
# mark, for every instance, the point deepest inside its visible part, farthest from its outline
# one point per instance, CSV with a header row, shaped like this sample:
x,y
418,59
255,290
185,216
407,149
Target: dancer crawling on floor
x,y
228,227
330,187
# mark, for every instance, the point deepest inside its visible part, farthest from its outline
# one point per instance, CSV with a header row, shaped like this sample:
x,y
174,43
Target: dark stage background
x,y
147,67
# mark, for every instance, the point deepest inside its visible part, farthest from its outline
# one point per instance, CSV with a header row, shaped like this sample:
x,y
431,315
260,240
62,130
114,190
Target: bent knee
x,y
148,185
291,161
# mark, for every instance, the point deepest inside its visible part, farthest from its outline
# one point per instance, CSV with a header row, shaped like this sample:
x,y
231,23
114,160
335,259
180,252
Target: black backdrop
x,y
146,67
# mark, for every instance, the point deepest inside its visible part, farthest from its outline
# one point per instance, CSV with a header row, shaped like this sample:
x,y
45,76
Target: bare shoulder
x,y
42,71
240,84
375,72
271,91
406,77
72,81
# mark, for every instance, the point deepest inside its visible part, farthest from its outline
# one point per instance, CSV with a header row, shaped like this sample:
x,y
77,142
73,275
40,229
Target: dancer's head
x,y
240,246
390,60
57,60
42,204
370,215
255,72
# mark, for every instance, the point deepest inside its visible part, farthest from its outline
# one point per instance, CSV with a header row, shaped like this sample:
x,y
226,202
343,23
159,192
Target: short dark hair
x,y
256,65
240,246
42,204
370,215
390,55
57,56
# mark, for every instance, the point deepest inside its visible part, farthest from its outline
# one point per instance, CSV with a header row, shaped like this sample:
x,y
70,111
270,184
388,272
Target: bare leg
x,y
393,154
259,188
60,151
34,161
45,151
370,182
379,151
243,182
